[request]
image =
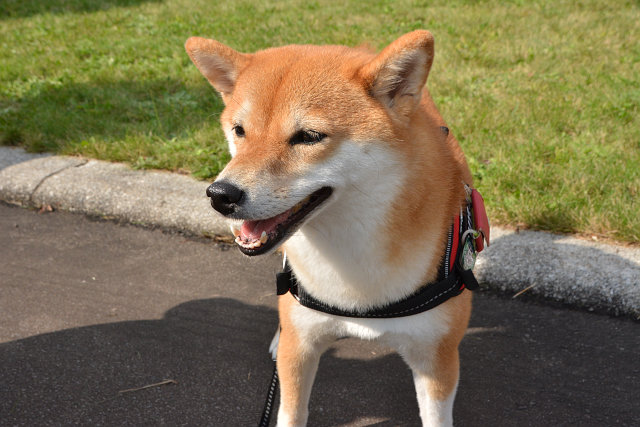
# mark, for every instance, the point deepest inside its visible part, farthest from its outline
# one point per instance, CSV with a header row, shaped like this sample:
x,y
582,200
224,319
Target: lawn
x,y
544,96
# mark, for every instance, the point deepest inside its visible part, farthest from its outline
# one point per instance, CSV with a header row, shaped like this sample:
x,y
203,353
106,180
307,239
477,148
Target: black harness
x,y
454,275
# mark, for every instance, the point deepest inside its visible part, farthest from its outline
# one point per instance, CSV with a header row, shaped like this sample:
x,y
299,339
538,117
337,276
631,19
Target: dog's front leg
x,y
297,366
435,360
299,352
435,367
436,383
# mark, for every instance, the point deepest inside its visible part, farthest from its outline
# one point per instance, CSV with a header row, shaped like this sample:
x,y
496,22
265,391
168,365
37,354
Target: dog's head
x,y
303,123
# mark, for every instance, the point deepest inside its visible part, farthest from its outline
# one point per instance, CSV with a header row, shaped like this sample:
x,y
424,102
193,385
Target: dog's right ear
x,y
217,62
397,75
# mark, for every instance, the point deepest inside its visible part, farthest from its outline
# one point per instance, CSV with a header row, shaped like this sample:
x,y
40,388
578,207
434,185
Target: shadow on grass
x,y
53,117
24,8
555,218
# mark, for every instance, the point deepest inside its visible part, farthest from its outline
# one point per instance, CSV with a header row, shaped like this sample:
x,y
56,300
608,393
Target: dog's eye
x,y
239,130
306,137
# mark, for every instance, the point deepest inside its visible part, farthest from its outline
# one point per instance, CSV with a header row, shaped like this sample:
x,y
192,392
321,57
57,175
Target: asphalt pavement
x,y
106,323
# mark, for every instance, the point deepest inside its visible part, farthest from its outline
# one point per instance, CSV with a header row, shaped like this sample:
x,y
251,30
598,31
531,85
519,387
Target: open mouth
x,y
255,237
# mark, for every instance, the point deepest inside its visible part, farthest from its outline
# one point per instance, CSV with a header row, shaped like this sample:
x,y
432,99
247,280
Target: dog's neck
x,y
344,257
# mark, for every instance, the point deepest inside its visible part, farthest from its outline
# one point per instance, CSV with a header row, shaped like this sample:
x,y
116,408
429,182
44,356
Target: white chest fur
x,y
340,254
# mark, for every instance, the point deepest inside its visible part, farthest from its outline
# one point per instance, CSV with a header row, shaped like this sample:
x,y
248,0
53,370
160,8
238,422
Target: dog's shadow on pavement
x,y
216,352
517,369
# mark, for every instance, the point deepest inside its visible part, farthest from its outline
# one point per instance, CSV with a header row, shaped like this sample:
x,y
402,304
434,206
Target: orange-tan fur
x,y
367,103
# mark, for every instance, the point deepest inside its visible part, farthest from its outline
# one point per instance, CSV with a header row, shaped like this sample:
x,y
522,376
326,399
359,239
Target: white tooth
x,y
264,237
234,229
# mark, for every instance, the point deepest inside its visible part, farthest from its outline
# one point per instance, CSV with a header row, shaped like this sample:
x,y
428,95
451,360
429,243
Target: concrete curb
x,y
108,189
591,275
596,276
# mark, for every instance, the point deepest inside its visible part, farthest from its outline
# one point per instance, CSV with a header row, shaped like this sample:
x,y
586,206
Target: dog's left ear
x,y
397,75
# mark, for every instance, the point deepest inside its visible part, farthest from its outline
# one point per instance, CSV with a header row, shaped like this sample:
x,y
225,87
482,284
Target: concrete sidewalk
x,y
591,275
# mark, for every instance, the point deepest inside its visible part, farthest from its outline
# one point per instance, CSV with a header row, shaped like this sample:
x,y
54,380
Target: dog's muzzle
x,y
225,197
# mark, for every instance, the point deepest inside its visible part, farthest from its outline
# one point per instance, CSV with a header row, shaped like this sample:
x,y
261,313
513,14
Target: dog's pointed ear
x,y
217,62
397,75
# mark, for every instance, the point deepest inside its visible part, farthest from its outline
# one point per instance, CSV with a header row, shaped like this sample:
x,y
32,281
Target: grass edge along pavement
x,y
543,96
592,275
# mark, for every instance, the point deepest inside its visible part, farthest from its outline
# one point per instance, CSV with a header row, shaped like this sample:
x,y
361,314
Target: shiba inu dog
x,y
340,156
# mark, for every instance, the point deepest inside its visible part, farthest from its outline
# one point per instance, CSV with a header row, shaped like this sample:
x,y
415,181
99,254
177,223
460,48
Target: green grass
x,y
544,96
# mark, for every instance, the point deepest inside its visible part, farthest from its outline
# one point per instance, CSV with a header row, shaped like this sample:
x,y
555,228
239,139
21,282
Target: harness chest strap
x,y
454,275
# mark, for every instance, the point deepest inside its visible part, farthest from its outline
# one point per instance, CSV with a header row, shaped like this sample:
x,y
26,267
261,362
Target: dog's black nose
x,y
224,196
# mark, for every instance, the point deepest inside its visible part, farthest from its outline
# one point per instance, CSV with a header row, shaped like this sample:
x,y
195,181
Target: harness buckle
x,y
283,282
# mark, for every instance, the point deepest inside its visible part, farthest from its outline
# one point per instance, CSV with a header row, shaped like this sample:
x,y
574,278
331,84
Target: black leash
x,y
271,398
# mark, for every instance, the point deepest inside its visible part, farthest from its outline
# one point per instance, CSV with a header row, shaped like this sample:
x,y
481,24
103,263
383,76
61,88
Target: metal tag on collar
x,y
468,255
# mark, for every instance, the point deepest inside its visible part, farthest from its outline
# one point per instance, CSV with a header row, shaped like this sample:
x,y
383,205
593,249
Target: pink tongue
x,y
252,230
